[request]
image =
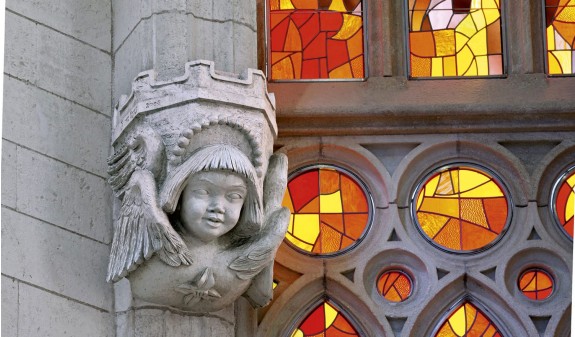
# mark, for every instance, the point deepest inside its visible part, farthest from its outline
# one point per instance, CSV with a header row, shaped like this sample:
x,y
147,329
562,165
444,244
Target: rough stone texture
x,y
63,195
35,119
59,317
9,171
54,259
9,306
57,63
181,31
86,20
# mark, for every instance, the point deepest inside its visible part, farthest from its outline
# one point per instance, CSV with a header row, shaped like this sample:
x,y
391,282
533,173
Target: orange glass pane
x,y
394,285
461,209
326,321
536,284
330,210
312,40
564,202
450,38
560,37
467,321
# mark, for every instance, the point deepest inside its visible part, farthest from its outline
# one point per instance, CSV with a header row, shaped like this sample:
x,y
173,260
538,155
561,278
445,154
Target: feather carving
x,y
142,228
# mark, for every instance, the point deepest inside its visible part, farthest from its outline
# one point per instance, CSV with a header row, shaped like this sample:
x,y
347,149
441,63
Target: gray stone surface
x,y
49,315
170,44
55,259
57,63
37,119
85,20
127,15
9,172
63,195
9,306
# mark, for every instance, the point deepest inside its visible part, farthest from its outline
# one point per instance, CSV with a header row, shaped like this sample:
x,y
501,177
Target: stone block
x,y
127,15
169,5
133,57
245,13
55,259
58,63
64,196
55,127
125,324
9,172
9,306
245,48
223,34
85,20
200,40
200,8
223,10
49,315
149,323
170,44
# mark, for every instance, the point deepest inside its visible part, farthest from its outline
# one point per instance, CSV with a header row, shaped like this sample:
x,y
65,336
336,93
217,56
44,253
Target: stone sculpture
x,y
199,217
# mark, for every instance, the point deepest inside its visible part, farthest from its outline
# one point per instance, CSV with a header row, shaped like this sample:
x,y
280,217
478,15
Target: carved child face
x,y
211,203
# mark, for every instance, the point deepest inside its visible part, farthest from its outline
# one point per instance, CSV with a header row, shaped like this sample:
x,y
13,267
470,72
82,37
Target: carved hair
x,y
214,158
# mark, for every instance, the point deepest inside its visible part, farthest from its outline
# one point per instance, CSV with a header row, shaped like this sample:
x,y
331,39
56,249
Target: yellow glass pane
x,y
460,41
355,45
550,38
454,175
286,4
338,6
298,243
554,66
417,19
330,203
449,66
290,226
564,59
297,333
478,43
479,19
567,14
472,71
482,65
445,187
330,314
464,60
283,69
466,27
571,180
470,179
436,66
343,71
484,191
351,24
431,224
431,186
448,207
491,15
444,42
458,321
286,202
306,227
419,200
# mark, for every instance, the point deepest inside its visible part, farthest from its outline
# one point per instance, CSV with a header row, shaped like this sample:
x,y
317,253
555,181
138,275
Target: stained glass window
x,y
536,284
326,321
564,201
394,285
467,321
461,209
560,31
455,38
330,210
315,39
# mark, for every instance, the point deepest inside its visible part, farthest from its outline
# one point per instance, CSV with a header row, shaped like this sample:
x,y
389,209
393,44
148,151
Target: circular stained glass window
x,y
461,208
563,201
330,210
394,285
536,284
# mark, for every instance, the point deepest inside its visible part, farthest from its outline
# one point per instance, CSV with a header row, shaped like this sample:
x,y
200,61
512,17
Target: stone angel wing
x,y
142,227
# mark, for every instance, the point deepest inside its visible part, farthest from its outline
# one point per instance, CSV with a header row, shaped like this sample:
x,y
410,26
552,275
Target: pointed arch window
x,y
317,39
455,38
560,36
467,320
325,320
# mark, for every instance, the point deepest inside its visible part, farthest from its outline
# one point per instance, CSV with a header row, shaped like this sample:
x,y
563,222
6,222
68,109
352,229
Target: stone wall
x,y
56,209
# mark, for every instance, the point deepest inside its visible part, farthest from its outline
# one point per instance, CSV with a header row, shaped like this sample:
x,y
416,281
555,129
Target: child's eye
x,y
235,196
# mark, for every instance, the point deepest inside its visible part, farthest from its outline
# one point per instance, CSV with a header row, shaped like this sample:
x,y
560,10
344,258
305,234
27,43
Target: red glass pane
x,y
394,285
461,209
326,321
467,321
536,284
560,33
315,40
564,203
330,210
450,38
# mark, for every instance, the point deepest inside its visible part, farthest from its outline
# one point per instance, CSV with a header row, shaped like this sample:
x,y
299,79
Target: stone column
x,y
165,34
